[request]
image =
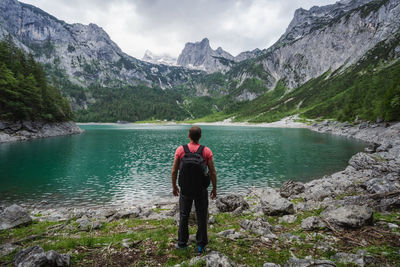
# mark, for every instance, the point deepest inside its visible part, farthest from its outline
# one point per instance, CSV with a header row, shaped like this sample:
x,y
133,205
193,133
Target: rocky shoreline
x,y
349,218
27,130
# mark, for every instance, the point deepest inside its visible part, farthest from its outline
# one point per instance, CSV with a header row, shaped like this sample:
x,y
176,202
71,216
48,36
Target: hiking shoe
x,y
179,247
201,249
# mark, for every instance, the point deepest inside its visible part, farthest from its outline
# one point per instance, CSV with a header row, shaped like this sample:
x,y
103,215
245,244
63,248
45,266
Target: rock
x,y
352,216
131,213
212,220
312,223
231,203
290,237
258,226
384,147
226,232
214,259
371,148
33,256
7,249
2,126
294,262
380,185
56,259
290,188
28,125
269,264
84,223
348,258
288,218
273,204
97,224
392,226
14,216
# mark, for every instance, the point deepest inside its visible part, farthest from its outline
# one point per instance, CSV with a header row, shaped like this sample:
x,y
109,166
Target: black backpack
x,y
193,176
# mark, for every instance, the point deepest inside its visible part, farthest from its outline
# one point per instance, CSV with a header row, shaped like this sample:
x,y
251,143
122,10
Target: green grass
x,y
160,237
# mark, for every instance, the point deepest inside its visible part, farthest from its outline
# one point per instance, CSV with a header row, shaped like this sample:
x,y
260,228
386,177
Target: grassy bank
x,y
153,241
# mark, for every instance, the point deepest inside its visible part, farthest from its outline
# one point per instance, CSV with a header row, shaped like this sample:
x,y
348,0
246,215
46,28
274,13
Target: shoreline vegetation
x,y
349,218
288,122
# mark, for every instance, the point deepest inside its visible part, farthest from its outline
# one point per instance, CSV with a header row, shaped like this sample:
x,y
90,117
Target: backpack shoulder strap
x,y
200,150
186,149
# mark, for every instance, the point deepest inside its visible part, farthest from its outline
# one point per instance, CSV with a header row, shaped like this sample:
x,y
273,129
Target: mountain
x,y
84,54
317,40
327,38
327,58
201,56
164,59
248,55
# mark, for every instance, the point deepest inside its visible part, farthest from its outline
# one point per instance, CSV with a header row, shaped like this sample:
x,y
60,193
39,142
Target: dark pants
x,y
201,206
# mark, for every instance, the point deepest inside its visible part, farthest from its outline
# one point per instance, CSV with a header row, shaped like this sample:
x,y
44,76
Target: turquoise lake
x,y
129,164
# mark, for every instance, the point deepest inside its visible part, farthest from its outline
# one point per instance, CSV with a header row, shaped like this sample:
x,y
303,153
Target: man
x,y
200,197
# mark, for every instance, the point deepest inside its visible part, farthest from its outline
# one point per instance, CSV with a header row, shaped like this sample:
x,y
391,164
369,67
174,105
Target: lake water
x,y
124,164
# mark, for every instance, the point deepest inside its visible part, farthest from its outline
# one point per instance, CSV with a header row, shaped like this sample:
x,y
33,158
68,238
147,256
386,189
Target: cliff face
x,y
329,37
85,53
200,55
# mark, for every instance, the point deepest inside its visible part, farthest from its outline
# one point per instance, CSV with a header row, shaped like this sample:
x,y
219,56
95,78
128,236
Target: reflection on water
x,y
127,164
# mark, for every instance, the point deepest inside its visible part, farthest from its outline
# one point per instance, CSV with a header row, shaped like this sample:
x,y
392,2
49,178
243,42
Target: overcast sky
x,y
164,26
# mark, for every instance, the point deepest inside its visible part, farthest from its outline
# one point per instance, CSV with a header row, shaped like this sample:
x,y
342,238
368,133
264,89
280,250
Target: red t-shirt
x,y
207,153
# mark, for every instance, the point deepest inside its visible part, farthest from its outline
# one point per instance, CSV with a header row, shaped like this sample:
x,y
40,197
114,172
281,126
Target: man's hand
x,y
213,193
175,191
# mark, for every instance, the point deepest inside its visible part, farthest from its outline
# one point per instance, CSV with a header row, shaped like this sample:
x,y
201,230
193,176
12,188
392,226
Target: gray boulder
x,y
352,216
294,262
348,258
258,226
312,223
273,204
32,257
226,232
35,257
291,188
56,259
231,203
214,259
380,185
123,214
270,264
14,216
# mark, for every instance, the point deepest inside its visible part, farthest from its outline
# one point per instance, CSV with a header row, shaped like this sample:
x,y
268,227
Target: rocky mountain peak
x,y
305,21
159,59
200,55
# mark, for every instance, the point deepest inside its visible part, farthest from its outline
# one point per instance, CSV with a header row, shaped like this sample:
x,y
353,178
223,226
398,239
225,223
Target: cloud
x,y
164,26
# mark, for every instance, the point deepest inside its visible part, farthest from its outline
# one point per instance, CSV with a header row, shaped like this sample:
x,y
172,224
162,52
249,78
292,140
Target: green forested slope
x,y
369,89
24,91
132,103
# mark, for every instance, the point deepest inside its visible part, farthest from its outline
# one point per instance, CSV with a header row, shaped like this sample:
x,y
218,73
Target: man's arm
x,y
213,176
174,175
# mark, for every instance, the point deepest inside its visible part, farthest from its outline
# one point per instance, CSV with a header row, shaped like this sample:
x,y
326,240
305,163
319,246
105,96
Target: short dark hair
x,y
195,133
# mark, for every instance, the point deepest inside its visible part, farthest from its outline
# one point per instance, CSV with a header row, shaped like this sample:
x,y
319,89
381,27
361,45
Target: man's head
x,y
195,134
